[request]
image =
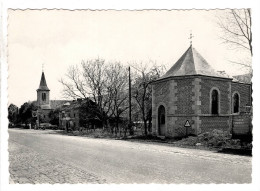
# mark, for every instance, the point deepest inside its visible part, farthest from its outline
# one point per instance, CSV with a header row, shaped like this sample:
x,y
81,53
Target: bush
x,y
216,138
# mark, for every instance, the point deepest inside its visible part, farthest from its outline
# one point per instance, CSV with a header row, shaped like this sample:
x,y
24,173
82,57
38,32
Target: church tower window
x,y
43,96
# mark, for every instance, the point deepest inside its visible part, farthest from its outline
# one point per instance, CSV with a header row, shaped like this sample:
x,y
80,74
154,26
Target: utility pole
x,y
130,105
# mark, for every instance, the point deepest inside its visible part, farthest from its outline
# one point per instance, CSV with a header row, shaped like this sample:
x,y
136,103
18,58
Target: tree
x,y
25,112
102,82
89,114
235,25
236,28
12,113
54,116
142,92
116,74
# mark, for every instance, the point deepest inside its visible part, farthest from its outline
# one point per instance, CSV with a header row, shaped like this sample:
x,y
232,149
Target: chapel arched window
x,y
214,102
236,103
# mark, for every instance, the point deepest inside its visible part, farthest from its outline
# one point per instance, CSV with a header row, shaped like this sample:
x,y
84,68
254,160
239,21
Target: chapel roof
x,y
43,84
244,78
192,63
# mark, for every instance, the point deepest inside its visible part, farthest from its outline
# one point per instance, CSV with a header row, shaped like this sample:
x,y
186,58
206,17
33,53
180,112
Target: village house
x,y
192,98
77,114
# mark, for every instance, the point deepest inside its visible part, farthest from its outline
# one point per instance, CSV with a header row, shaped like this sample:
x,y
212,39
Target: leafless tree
x,y
142,91
74,85
236,27
116,74
102,82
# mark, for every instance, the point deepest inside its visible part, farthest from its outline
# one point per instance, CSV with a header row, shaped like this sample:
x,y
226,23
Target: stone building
x,y
44,103
79,113
192,98
43,99
69,115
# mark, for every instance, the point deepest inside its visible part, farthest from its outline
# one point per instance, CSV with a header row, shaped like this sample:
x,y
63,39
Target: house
x,y
79,113
192,98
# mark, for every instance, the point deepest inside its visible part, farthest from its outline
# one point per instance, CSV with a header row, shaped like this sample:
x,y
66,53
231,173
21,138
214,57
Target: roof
x,y
58,103
43,84
192,63
244,78
75,104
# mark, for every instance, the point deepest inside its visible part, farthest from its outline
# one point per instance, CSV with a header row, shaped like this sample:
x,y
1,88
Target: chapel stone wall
x,y
244,91
224,88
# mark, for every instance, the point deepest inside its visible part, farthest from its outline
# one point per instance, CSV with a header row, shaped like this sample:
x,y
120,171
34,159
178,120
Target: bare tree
x,y
104,83
236,27
74,85
116,74
142,91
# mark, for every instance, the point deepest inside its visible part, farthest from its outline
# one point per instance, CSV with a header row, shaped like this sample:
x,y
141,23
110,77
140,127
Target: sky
x,y
60,38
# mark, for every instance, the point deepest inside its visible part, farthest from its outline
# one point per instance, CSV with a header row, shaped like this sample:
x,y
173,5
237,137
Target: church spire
x,y
43,84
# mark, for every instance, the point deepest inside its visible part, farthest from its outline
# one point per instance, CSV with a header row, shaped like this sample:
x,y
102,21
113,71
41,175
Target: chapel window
x,y
214,102
236,103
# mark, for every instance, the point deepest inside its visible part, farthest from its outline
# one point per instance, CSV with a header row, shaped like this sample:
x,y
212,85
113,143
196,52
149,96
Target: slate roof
x,y
192,63
43,84
58,103
244,78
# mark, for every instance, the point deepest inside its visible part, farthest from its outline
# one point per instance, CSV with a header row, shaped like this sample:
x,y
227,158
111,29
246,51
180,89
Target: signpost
x,y
186,125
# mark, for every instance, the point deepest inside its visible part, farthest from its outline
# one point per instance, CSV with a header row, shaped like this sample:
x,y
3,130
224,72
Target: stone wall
x,y
244,91
224,88
189,98
39,98
208,123
184,96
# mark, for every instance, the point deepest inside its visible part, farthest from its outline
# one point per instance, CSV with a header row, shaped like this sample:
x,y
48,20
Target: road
x,y
38,156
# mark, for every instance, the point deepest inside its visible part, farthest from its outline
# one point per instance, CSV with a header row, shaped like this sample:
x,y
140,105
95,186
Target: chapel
x,y
192,98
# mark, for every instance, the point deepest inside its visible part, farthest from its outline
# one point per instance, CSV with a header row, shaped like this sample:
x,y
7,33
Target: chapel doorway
x,y
161,120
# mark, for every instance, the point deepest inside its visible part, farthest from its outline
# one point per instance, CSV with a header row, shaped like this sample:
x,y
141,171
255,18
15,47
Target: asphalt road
x,y
38,156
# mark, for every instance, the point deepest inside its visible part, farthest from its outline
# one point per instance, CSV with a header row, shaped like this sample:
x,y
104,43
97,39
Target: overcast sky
x,y
61,38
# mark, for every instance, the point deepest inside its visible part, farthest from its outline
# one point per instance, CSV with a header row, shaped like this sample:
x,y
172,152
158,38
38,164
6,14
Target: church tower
x,y
43,94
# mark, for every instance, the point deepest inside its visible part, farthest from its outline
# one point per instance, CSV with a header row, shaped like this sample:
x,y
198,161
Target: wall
x,y
177,96
208,123
184,96
225,92
162,94
39,98
244,91
188,98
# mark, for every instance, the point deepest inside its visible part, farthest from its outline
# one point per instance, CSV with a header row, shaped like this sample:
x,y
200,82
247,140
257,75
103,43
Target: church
x,y
44,104
192,98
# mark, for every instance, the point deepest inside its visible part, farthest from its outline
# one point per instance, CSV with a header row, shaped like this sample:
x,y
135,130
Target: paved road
x,y
46,157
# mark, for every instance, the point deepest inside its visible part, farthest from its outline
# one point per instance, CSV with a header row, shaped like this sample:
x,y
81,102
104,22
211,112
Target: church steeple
x,y
43,94
43,84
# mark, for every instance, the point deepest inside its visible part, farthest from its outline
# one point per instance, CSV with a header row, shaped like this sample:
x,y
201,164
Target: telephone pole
x,y
130,106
